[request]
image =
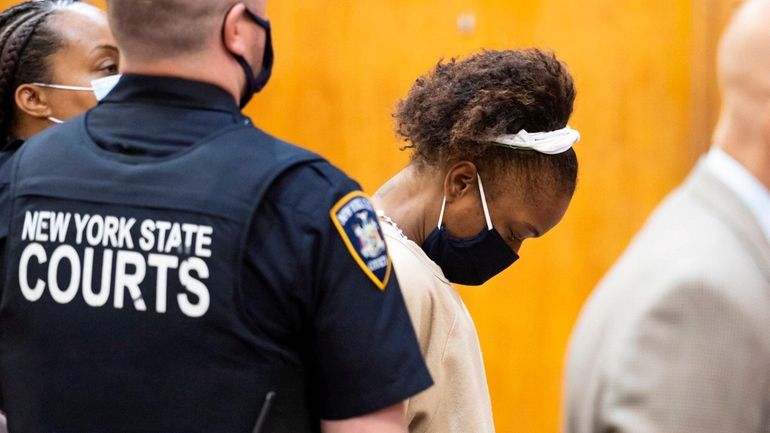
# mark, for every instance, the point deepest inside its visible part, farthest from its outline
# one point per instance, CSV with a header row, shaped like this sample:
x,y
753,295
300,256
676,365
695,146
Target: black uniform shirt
x,y
318,292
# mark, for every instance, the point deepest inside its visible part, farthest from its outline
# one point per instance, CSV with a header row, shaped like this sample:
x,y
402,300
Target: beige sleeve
x,y
422,298
694,363
420,301
458,402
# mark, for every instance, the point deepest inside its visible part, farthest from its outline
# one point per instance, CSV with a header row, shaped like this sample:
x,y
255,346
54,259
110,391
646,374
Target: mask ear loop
x,y
441,215
64,87
484,203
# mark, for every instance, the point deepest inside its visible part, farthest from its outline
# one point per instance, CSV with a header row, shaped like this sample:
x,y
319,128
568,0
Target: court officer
x,y
170,267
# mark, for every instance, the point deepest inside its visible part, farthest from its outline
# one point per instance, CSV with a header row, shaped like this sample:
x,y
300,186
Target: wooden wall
x,y
646,103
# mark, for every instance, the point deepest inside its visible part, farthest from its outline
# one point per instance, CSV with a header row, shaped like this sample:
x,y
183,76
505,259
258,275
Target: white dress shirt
x,y
747,187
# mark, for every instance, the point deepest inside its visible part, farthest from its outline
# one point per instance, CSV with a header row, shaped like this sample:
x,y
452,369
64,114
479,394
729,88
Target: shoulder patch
x,y
356,221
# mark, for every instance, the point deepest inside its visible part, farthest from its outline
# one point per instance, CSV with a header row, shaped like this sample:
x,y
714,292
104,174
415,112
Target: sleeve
x,y
364,351
693,364
425,410
431,328
419,291
459,399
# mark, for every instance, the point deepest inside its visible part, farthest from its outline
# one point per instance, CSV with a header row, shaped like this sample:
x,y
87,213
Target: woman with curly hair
x,y
50,52
492,165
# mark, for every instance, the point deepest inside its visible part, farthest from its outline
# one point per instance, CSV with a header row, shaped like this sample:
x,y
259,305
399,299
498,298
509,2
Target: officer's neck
x,y
412,199
227,76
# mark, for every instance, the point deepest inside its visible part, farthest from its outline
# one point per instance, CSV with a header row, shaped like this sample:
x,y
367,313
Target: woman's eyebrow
x,y
105,47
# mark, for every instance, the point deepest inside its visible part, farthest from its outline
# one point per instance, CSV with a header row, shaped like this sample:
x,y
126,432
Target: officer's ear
x,y
460,180
32,100
237,31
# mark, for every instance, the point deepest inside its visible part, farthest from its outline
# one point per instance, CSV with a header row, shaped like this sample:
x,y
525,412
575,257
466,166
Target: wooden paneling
x,y
343,64
646,102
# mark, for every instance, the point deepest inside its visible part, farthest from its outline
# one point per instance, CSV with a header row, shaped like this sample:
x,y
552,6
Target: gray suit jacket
x,y
676,338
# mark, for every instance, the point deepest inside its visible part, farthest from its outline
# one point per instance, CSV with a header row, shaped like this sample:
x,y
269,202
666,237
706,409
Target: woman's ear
x,y
32,101
460,180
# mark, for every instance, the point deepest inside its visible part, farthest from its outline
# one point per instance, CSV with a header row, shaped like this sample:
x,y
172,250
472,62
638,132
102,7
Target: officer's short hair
x,y
156,29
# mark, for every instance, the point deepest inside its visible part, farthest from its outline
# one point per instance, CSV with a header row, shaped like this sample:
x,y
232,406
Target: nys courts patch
x,y
356,220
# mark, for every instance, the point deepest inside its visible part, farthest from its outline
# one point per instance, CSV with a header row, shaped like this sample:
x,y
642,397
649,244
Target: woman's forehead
x,y
82,23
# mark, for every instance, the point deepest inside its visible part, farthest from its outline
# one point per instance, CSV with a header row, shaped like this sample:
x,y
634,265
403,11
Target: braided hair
x,y
26,44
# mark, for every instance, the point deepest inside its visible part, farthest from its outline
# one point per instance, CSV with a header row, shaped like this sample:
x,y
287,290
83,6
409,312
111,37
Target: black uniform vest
x,y
120,309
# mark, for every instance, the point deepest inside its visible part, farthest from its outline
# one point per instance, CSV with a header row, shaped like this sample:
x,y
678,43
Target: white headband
x,y
550,143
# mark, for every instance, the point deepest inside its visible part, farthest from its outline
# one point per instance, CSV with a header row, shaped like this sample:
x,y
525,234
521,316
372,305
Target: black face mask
x,y
255,83
469,261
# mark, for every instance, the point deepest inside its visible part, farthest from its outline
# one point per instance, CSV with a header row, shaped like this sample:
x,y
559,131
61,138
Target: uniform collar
x,y
172,91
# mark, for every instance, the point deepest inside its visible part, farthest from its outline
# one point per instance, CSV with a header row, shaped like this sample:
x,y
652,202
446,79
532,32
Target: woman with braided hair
x,y
492,165
50,52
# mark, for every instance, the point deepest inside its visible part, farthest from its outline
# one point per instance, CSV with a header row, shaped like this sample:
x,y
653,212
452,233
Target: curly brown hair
x,y
452,114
